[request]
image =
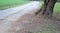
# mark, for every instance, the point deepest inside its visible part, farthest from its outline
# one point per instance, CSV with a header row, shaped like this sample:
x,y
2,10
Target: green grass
x,y
57,7
11,3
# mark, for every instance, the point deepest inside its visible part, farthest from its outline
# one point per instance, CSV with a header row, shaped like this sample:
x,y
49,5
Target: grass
x,y
4,4
57,8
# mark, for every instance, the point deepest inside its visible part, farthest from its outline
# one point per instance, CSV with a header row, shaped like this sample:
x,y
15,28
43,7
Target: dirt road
x,y
8,16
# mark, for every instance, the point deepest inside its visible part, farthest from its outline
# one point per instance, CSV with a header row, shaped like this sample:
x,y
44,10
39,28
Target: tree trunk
x,y
50,7
47,8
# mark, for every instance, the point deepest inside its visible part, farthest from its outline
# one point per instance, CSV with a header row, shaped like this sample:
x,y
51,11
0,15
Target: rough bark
x,y
50,7
47,8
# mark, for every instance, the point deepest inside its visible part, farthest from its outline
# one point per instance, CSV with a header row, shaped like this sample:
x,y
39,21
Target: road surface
x,y
8,16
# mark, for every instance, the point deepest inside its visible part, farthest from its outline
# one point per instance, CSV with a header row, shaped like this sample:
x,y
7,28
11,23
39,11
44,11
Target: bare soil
x,y
34,23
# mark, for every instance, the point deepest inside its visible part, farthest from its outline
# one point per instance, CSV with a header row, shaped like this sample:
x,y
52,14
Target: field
x,y
11,3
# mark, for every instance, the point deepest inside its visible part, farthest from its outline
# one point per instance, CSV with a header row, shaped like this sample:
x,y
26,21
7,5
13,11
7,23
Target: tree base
x,y
44,14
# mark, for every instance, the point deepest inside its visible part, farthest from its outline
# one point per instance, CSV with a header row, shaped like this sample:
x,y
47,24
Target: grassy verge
x,y
57,8
4,4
